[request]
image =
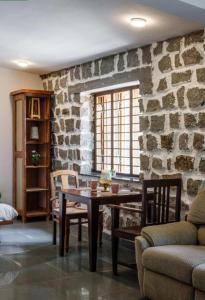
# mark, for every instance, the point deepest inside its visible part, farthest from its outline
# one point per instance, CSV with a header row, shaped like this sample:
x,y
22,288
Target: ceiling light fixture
x,y
138,22
22,63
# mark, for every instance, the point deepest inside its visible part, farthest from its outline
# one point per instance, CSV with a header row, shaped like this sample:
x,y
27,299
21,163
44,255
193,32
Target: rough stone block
x,y
63,82
157,163
169,164
165,64
200,73
107,65
162,85
63,154
158,49
184,163
151,142
62,124
71,72
69,124
76,97
201,122
65,97
196,97
177,61
76,167
180,97
60,139
78,123
56,164
157,123
194,37
141,105
132,59
198,141
57,111
146,55
193,186
192,57
75,111
75,139
153,105
202,165
146,87
121,62
174,121
76,73
144,123
144,162
57,87
167,141
168,101
55,127
70,154
141,143
154,176
87,70
183,142
174,44
190,121
181,77
96,68
65,111
60,98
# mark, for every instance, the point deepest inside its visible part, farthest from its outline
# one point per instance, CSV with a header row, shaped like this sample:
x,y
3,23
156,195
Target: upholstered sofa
x,y
171,257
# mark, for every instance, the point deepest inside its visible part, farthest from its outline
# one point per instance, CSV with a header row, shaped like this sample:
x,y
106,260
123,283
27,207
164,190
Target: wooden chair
x,y
74,211
161,203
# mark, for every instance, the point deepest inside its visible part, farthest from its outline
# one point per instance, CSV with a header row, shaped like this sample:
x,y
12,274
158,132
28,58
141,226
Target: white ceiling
x,y
53,34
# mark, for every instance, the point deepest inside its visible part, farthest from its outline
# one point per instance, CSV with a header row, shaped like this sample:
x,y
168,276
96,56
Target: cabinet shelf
x,y
37,167
31,182
36,143
36,189
37,120
37,213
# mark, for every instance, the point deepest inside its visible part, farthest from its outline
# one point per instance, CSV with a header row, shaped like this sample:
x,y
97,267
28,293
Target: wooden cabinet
x,y
31,133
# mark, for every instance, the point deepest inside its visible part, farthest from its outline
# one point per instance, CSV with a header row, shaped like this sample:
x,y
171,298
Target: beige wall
x,y
10,80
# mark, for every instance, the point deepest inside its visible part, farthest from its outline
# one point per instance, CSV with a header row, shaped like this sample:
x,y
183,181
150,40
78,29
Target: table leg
x,y
62,217
93,215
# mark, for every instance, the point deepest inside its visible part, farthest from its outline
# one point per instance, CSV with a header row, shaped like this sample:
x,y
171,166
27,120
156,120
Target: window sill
x,y
118,177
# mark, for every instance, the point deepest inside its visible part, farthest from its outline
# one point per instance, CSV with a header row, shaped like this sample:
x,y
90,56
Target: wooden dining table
x,y
93,200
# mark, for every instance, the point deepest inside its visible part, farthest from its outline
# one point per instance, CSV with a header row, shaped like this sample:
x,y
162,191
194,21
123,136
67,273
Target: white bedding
x,y
7,212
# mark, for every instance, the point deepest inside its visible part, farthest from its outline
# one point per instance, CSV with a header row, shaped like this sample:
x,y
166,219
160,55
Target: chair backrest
x,y
64,175
164,205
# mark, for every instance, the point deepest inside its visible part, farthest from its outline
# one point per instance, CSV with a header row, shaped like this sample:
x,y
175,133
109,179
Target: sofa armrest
x,y
179,233
141,244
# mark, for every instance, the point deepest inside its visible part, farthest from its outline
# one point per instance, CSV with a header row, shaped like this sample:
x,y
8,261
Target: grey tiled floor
x,y
31,269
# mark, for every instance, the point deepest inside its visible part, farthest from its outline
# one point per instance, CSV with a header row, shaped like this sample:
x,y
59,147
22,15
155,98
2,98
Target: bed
x,y
7,214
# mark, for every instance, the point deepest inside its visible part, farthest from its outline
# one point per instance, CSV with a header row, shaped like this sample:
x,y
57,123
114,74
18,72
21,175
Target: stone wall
x,y
172,121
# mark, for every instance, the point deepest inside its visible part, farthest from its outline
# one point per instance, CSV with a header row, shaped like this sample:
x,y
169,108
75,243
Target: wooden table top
x,y
87,193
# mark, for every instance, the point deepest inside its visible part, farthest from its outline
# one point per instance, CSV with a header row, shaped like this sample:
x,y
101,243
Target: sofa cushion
x,y
198,277
179,233
175,261
196,214
201,235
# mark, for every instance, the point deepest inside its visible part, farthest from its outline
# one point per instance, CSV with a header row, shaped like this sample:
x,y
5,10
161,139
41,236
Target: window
x,y
117,131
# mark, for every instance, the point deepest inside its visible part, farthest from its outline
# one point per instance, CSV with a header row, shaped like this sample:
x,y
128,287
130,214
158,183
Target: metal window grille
x,y
117,130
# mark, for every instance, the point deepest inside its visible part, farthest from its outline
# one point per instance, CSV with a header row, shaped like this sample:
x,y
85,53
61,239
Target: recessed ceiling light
x,y
138,22
22,63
